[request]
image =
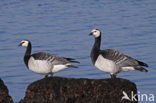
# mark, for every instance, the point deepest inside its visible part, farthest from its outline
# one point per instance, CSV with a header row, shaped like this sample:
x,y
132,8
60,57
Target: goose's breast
x,y
106,65
39,66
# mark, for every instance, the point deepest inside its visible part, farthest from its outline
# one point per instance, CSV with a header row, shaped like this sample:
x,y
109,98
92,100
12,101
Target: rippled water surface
x,y
61,27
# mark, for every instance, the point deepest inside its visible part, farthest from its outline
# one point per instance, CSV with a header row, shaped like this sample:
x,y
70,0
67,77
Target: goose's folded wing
x,y
49,57
119,58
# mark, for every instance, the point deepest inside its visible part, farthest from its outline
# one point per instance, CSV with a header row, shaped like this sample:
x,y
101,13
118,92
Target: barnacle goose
x,y
112,61
45,63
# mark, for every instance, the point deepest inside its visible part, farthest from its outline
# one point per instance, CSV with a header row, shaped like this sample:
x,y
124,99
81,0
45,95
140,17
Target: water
x,y
61,27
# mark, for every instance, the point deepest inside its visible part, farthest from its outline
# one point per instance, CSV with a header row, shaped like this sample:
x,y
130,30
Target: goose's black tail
x,y
142,63
72,66
141,69
71,60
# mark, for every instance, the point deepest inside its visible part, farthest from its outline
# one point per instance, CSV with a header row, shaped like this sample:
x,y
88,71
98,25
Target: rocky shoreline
x,y
70,90
4,93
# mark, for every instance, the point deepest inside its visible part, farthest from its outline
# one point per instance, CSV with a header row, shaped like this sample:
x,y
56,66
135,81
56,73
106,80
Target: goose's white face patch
x,y
96,33
24,43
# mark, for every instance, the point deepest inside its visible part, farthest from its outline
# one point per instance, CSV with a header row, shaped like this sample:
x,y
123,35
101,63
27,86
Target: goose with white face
x,y
24,43
96,33
45,63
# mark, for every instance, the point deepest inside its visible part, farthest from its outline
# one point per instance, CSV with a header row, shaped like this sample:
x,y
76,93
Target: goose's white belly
x,y
106,65
58,68
39,66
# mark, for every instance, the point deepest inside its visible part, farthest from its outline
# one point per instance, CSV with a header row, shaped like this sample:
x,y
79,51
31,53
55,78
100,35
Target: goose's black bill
x,y
90,34
20,44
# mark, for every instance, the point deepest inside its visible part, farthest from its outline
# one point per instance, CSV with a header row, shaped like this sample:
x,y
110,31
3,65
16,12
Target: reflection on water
x,y
61,27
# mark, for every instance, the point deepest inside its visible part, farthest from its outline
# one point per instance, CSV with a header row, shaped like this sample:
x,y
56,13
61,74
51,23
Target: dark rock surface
x,y
4,95
64,90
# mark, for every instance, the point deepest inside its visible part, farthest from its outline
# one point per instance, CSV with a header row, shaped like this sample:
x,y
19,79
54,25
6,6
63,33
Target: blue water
x,y
61,27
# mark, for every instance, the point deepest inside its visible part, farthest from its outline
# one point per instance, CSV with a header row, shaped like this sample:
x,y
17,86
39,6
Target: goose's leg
x,y
46,76
51,75
113,76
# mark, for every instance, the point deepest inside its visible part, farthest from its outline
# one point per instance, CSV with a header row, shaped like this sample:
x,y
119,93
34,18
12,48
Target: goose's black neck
x,y
28,50
97,43
96,49
27,54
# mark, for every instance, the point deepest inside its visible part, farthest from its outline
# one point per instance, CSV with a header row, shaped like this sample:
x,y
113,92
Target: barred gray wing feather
x,y
49,57
119,58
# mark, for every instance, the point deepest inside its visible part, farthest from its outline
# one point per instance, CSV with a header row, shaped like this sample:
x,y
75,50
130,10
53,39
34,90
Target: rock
x,y
4,95
65,90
